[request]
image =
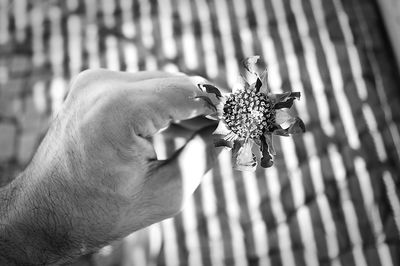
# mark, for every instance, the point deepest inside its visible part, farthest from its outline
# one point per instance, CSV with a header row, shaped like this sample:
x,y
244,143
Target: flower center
x,y
249,113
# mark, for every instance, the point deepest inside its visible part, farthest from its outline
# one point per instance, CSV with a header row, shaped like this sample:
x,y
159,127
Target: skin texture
x,y
95,177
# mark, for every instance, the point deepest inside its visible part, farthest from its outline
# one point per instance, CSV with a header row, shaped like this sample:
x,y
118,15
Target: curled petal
x,y
266,150
220,108
285,100
212,117
257,151
270,143
249,65
258,85
212,97
241,84
223,143
243,157
281,132
283,116
257,141
297,126
266,160
231,136
264,82
210,89
222,129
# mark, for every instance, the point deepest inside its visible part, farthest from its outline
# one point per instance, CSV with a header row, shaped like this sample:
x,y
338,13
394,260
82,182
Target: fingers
x,y
155,103
94,77
181,95
173,181
197,123
141,75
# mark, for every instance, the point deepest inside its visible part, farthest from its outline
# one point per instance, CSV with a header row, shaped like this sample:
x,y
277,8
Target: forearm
x,y
32,229
8,248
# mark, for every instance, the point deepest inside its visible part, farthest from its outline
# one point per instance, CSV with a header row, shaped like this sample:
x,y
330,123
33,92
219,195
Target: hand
x,y
96,178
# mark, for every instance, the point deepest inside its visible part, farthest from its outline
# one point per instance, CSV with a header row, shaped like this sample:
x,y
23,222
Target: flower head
x,y
250,115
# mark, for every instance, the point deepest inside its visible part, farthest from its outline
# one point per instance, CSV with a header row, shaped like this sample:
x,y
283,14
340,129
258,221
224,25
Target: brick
x,y
27,145
7,141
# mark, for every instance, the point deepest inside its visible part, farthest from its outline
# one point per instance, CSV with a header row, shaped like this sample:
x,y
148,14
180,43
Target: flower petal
x,y
270,142
283,116
223,143
257,142
266,160
297,126
249,65
264,82
285,100
243,157
210,89
231,136
222,129
212,117
220,107
258,85
279,131
240,85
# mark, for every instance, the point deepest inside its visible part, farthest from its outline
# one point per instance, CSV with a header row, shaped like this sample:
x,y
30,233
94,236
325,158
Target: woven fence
x,y
332,197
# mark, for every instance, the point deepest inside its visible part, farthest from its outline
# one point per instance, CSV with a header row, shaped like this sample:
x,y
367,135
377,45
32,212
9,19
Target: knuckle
x,y
87,78
143,122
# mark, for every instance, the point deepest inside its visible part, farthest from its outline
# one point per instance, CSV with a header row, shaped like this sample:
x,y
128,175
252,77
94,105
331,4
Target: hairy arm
x,y
33,227
95,177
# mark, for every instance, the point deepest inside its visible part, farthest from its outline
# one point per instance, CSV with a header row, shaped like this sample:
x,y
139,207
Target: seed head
x,y
248,113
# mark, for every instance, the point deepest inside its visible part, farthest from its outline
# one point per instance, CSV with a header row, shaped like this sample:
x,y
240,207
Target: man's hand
x,y
96,178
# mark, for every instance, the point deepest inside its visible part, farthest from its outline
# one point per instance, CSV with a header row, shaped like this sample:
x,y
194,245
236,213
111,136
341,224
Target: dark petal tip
x,y
223,143
266,162
210,89
279,131
258,85
297,127
285,100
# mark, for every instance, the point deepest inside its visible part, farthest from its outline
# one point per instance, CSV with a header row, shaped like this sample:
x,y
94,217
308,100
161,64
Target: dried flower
x,y
250,115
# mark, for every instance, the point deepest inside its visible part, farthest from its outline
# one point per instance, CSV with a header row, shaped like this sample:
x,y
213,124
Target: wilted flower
x,y
250,115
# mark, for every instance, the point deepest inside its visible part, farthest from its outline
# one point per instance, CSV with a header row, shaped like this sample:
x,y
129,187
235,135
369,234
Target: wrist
x,y
11,252
33,228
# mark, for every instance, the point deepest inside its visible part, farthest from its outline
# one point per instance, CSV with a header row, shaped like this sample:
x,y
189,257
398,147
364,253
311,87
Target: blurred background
x,y
332,197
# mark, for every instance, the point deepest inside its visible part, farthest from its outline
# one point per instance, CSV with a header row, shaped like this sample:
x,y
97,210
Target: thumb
x,y
174,180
